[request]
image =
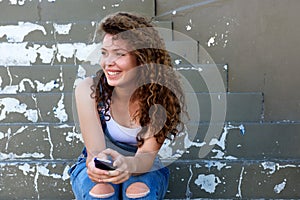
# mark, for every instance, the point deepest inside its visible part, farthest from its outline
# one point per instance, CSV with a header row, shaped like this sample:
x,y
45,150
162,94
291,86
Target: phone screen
x,y
103,164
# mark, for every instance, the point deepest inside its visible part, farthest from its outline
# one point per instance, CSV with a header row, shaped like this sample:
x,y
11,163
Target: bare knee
x,y
137,190
102,190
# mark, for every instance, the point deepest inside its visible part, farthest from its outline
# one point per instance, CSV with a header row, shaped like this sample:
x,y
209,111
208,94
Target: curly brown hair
x,y
158,84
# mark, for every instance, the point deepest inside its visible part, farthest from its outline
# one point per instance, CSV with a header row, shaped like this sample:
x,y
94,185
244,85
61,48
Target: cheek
x,y
101,63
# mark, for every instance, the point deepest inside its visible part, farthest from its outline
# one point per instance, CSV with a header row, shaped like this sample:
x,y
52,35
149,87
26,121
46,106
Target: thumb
x,y
109,152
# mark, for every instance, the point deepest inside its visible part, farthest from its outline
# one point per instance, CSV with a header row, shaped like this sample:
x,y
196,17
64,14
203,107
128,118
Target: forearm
x,y
141,163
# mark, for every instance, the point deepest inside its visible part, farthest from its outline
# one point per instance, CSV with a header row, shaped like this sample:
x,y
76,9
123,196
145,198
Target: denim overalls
x,y
156,179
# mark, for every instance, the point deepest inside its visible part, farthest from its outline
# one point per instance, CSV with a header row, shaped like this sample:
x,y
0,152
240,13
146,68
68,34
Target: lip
x,y
113,73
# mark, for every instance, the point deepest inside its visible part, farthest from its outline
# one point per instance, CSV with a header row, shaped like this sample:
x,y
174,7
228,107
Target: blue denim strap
x,y
122,145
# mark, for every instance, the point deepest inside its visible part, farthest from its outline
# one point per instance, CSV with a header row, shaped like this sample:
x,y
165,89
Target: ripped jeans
x,y
156,180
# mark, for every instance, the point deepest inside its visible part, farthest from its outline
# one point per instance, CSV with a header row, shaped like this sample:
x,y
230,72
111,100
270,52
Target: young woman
x,y
126,112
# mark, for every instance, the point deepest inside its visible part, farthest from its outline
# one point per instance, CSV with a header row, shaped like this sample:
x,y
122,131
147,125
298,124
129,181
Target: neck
x,y
122,94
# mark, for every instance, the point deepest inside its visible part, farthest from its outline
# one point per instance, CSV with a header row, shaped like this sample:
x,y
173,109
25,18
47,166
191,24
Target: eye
x,y
119,54
103,53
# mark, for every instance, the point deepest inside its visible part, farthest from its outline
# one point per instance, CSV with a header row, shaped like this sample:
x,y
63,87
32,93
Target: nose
x,y
109,60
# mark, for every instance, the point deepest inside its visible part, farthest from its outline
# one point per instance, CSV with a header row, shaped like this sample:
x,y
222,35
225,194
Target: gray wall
x,y
252,45
259,39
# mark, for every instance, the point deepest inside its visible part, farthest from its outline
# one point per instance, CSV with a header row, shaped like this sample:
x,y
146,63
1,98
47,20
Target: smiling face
x,y
116,61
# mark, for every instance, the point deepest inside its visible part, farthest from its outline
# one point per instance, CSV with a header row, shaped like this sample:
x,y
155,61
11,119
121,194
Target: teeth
x,y
113,73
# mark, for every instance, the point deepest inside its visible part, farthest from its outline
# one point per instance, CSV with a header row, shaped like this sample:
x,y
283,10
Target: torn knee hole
x,y
102,190
137,190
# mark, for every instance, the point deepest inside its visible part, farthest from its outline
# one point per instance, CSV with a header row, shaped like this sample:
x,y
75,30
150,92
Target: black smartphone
x,y
103,164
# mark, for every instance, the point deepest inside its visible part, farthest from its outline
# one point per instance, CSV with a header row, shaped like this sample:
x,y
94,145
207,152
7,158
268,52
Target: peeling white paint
x,y
36,105
188,143
221,143
46,54
166,151
65,175
217,164
36,186
188,27
2,135
86,52
9,135
225,67
199,69
62,29
81,72
50,142
188,193
178,61
61,75
46,87
22,84
208,182
59,111
23,55
43,170
26,169
71,135
278,188
65,51
271,167
211,41
221,155
17,33
12,105
41,87
239,194
4,156
115,5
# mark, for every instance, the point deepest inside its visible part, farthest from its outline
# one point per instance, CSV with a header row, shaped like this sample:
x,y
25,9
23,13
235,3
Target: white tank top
x,y
122,133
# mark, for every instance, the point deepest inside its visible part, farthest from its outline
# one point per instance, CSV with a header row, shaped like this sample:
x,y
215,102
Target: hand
x,y
95,174
123,166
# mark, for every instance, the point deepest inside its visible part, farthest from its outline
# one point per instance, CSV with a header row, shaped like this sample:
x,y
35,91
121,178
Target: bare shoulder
x,y
84,85
83,89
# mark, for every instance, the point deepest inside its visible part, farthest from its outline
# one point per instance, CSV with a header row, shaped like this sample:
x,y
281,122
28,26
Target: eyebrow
x,y
117,49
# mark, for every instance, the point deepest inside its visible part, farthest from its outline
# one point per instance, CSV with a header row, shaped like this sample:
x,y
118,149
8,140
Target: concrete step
x,y
165,29
36,108
38,78
204,77
35,180
231,180
62,32
69,10
189,180
58,78
38,53
243,141
213,105
183,52
229,142
39,141
68,31
57,107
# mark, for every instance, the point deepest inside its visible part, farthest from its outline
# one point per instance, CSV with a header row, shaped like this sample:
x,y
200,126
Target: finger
x,y
121,179
118,179
94,171
114,154
113,173
96,177
102,155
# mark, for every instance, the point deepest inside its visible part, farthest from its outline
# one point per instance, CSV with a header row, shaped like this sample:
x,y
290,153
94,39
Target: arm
x,y
133,165
90,125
